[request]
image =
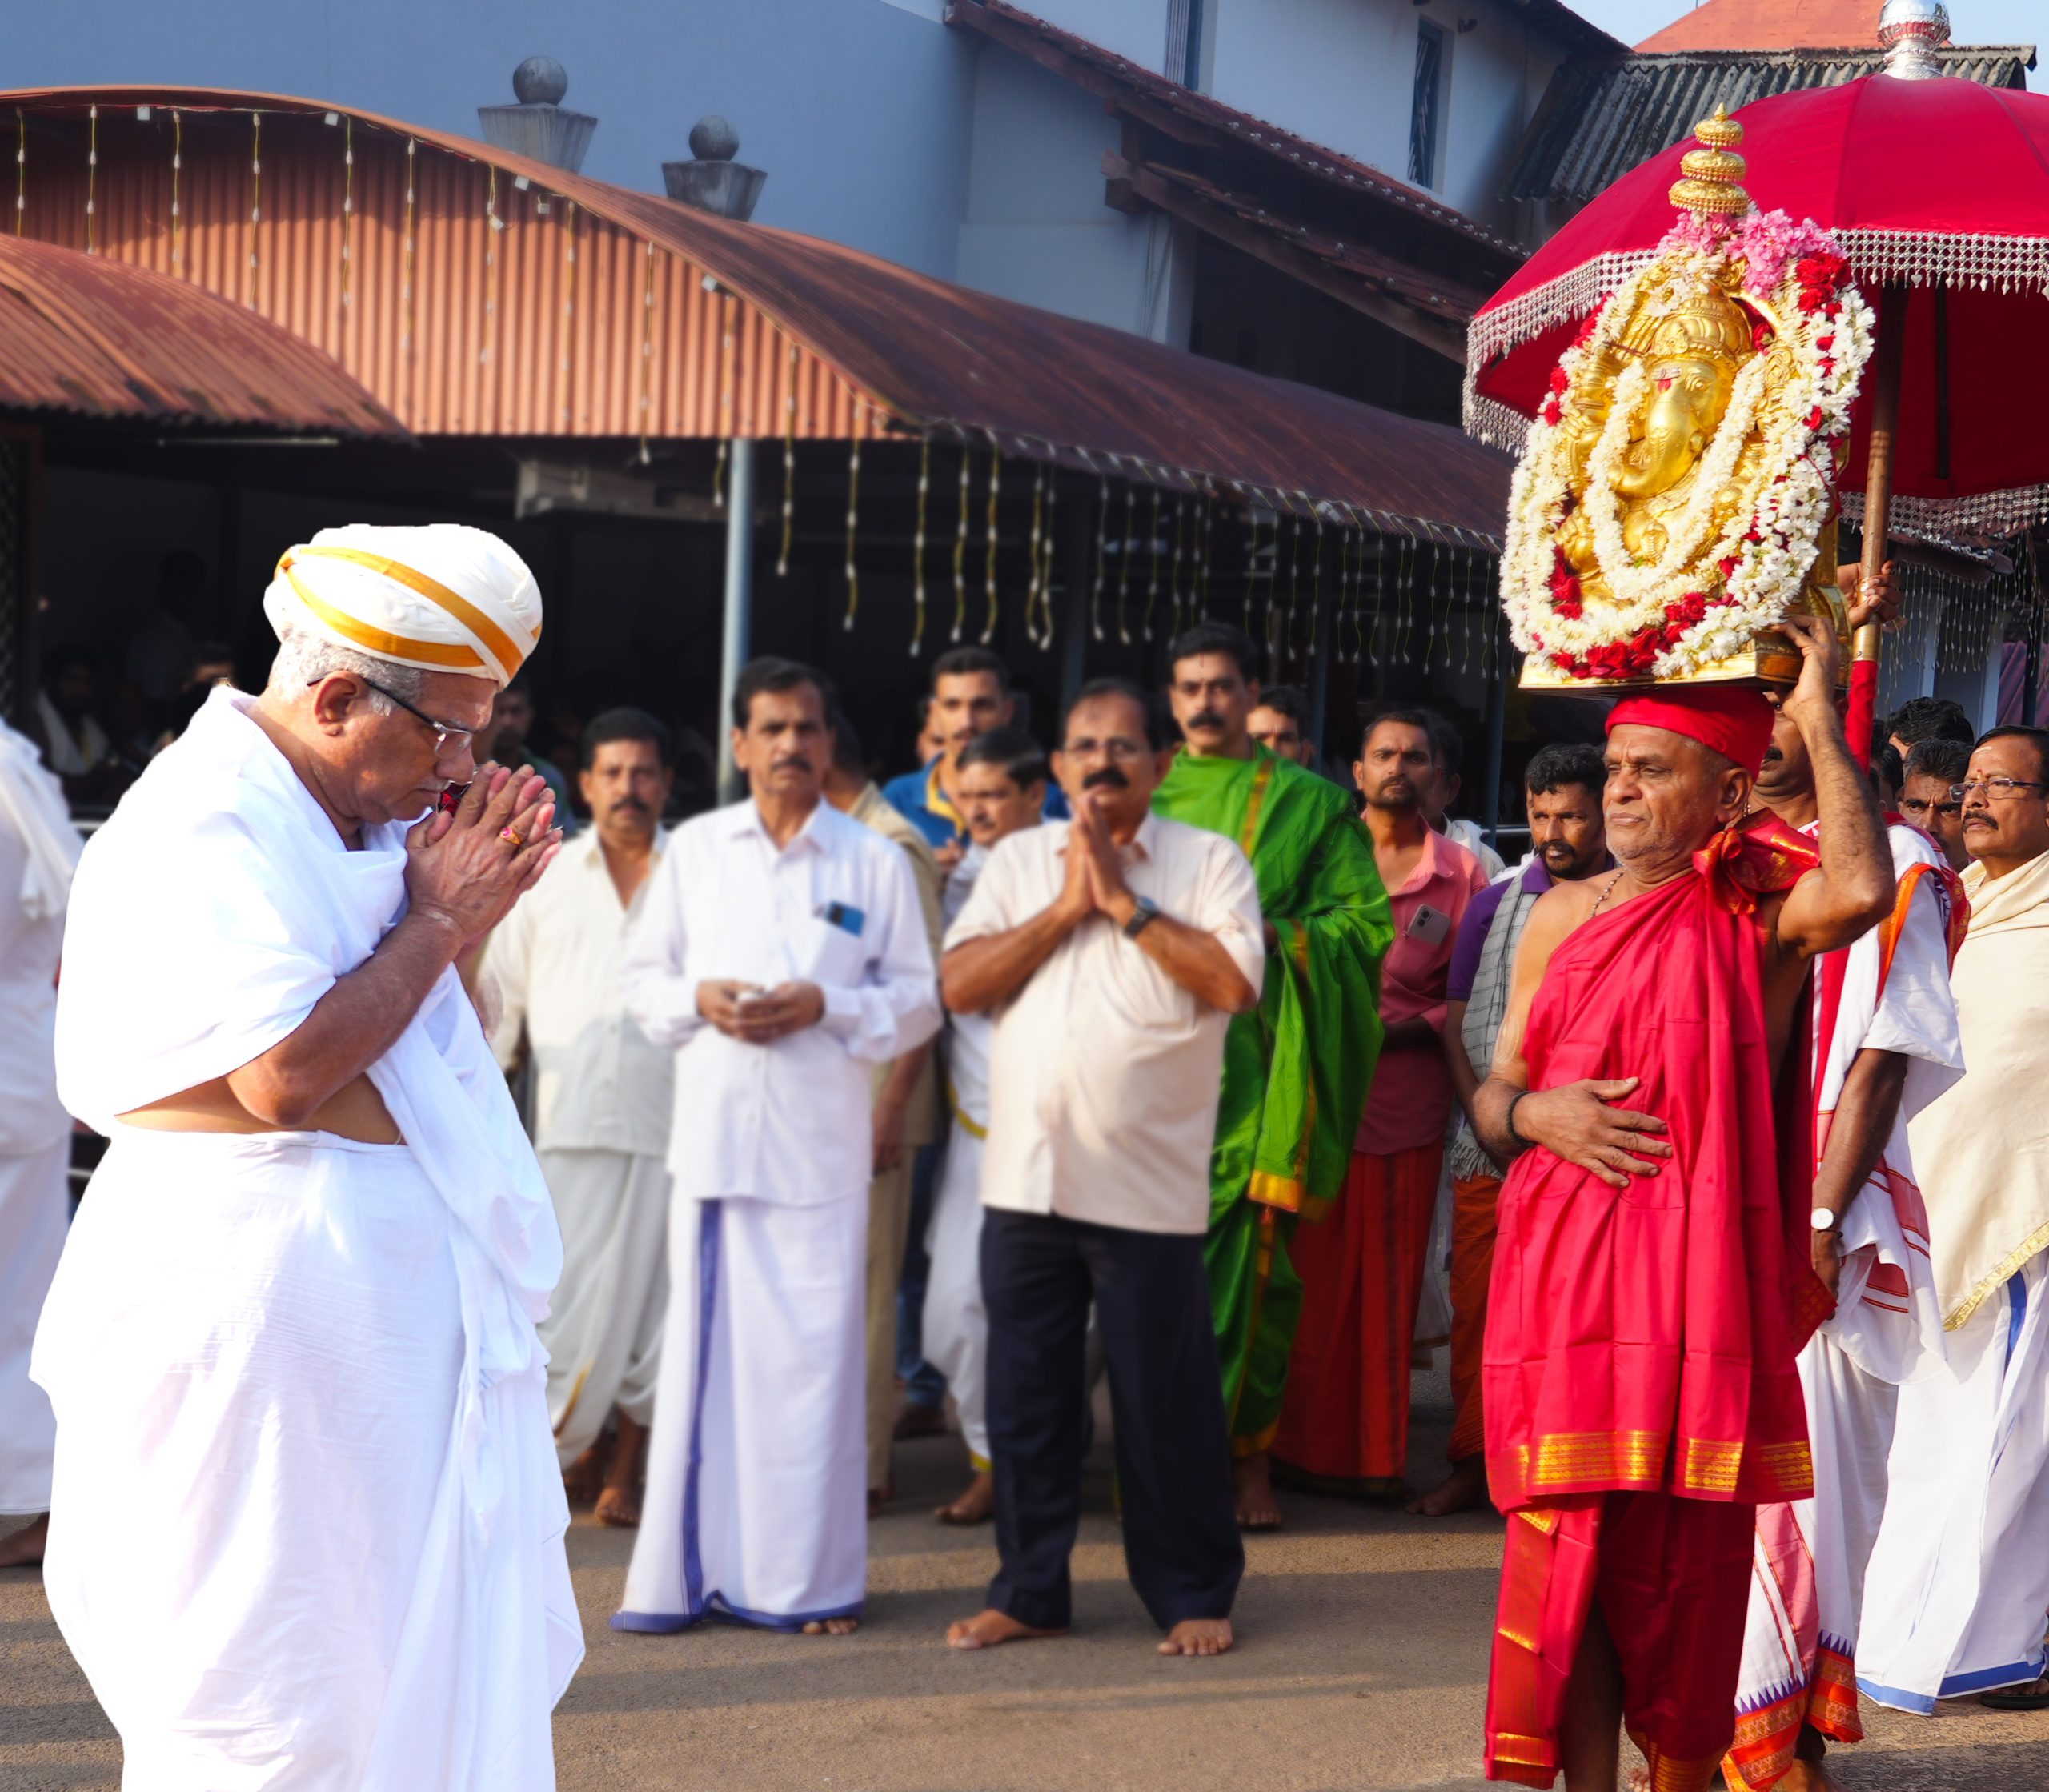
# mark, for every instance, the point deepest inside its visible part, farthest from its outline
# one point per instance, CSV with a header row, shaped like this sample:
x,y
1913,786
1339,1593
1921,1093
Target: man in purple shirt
x,y
1567,841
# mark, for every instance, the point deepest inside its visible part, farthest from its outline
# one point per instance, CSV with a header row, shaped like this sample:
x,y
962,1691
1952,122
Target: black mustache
x,y
1206,718
629,802
796,762
1107,777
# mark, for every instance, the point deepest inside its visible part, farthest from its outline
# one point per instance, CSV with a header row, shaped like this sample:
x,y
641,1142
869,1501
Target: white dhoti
x,y
337,1621
756,1506
957,1325
34,1207
1958,1596
603,1330
307,1523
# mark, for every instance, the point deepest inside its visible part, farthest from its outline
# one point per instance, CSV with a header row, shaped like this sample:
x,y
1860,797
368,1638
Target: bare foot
x,y
584,1479
2034,1696
23,1549
1465,1487
620,1503
619,1507
1252,1487
976,1506
1198,1636
877,1498
831,1627
986,1629
918,1420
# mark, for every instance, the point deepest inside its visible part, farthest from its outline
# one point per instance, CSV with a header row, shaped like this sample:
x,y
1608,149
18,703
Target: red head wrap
x,y
1733,719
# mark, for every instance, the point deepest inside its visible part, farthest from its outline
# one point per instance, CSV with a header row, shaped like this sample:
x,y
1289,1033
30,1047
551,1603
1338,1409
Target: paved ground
x,y
1362,1666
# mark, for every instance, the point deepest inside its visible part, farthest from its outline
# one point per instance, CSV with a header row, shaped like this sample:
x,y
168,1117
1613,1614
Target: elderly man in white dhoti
x,y
1884,1041
38,849
306,1528
782,951
1958,1597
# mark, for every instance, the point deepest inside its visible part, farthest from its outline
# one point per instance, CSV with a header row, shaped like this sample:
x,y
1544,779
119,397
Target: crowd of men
x,y
860,1113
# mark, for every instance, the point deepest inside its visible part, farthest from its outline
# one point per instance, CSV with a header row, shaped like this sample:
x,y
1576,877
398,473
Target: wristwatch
x,y
1142,917
1822,1221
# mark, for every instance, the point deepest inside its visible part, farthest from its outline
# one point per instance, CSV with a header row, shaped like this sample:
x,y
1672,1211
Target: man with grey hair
x,y
306,1522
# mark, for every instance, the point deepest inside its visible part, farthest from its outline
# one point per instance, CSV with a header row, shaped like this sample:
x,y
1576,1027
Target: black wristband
x,y
1508,1120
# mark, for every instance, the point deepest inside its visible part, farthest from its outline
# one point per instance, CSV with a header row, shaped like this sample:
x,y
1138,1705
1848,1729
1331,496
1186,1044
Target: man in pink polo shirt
x,y
1345,1425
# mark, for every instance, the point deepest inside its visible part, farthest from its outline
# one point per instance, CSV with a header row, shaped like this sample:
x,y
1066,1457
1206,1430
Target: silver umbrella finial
x,y
1912,31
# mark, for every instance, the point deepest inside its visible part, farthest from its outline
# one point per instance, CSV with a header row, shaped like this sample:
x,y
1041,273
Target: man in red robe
x,y
1651,1283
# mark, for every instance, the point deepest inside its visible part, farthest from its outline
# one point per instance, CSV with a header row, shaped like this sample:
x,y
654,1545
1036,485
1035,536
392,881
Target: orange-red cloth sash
x,y
1645,1338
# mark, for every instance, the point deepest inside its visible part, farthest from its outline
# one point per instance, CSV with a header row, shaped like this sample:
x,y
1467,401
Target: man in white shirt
x,y
1000,786
1113,952
38,851
602,1094
781,950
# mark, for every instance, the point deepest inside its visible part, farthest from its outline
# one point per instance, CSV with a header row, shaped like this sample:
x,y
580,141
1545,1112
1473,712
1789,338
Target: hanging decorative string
x,y
961,549
719,475
995,494
1404,592
1464,608
647,409
1033,555
1202,589
1370,618
1102,553
1153,584
92,178
177,212
789,468
348,201
255,200
22,169
406,284
1253,560
1046,572
492,226
1315,584
918,550
1174,579
853,516
1123,568
1287,636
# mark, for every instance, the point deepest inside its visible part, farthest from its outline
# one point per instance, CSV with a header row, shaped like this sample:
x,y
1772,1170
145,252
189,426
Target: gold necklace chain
x,y
1601,900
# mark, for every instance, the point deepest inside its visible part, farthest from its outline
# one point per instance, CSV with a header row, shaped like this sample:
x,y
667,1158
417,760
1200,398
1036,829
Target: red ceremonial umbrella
x,y
1938,190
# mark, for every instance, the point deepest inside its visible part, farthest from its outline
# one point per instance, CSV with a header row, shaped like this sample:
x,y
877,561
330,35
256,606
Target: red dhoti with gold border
x,y
1640,1391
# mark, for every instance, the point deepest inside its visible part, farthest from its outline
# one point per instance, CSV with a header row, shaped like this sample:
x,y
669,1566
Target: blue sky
x,y
1972,21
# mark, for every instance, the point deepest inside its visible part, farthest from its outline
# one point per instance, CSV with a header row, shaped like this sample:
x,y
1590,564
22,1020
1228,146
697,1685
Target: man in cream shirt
x,y
601,1110
1113,952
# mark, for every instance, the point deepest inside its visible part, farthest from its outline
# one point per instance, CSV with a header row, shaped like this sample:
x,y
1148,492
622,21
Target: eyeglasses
x,y
444,732
1996,790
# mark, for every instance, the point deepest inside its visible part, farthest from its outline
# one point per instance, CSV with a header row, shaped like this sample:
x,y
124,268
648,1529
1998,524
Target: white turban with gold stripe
x,y
441,596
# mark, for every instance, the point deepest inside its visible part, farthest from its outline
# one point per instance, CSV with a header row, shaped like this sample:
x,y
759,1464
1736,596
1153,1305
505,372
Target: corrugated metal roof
x,y
1600,119
97,338
475,306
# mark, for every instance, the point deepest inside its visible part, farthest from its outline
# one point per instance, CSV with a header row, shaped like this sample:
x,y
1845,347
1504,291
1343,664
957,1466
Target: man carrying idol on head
x,y
306,1526
1671,543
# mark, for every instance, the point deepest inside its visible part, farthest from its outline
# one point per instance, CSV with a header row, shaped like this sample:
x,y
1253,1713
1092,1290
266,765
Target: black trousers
x,y
1181,1546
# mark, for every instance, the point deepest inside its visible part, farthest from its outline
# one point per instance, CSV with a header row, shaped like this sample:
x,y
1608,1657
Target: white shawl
x,y
207,917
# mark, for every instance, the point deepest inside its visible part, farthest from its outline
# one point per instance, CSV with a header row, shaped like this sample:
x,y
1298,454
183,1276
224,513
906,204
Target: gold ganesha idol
x,y
1677,498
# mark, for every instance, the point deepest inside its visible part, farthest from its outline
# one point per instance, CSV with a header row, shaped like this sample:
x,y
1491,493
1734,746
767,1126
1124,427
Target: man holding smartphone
x,y
782,951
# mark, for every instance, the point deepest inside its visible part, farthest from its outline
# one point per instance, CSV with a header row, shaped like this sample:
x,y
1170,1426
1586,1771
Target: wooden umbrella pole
x,y
1877,474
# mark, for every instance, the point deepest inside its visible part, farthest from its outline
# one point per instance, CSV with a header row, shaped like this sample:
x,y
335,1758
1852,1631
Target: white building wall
x,y
858,108
1342,73
1036,228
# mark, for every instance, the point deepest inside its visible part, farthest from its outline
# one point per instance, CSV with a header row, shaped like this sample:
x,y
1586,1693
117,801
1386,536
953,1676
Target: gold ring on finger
x,y
514,835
